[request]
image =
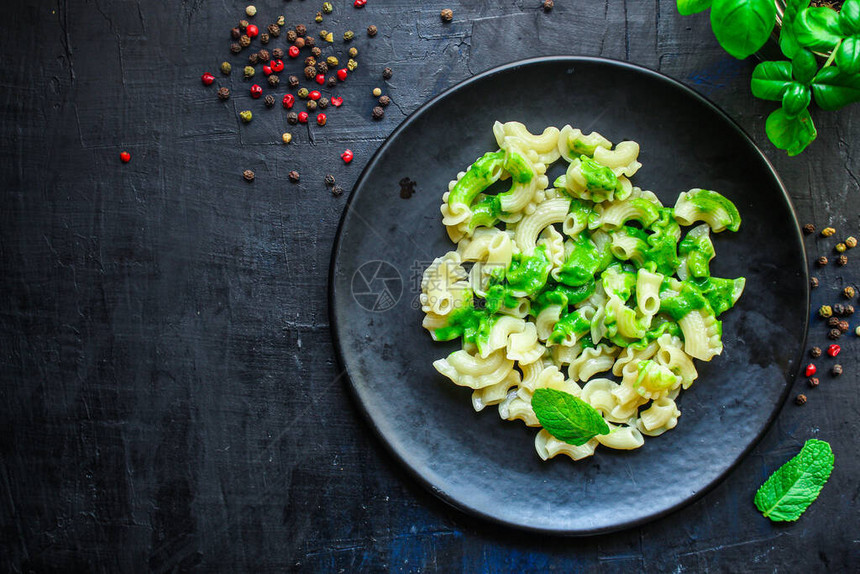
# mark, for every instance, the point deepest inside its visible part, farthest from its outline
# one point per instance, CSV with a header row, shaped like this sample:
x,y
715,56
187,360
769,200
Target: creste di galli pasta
x,y
556,287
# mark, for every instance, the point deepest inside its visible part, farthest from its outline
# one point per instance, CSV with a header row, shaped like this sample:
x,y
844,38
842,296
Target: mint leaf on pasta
x,y
795,485
566,417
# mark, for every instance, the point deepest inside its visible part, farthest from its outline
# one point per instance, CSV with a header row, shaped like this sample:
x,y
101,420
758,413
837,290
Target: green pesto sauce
x,y
598,178
646,212
699,252
569,324
721,294
562,295
477,179
657,331
584,262
586,341
527,274
622,283
516,165
473,324
497,297
708,201
485,212
580,210
689,299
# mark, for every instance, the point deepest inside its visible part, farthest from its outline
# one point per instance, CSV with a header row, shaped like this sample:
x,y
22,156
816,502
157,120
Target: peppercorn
x,y
249,71
270,99
813,382
332,62
813,282
840,248
302,93
301,30
251,10
833,322
310,61
294,176
253,59
371,30
264,55
336,102
447,15
318,18
842,260
378,113
292,118
286,137
291,36
833,350
323,34
252,30
293,81
264,38
322,67
323,103
235,48
312,105
836,370
815,352
317,53
246,116
384,101
857,330
353,52
226,68
236,33
299,43
548,5
849,310
244,24
274,30
332,81
245,41
329,180
274,80
256,91
834,334
844,326
281,21
827,232
810,370
327,7
277,53
348,36
377,92
809,229
347,156
223,93
822,261
310,72
800,400
337,190
387,73
838,309
825,311
248,175
351,65
309,41
321,119
850,242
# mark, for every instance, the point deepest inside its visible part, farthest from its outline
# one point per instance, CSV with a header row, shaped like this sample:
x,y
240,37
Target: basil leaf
x,y
849,18
834,89
787,39
848,55
770,80
687,7
790,134
804,65
817,28
742,26
795,485
796,99
566,417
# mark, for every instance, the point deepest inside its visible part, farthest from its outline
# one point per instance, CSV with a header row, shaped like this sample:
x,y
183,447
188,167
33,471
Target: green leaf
x,y
770,80
849,18
817,28
790,134
848,55
687,7
833,88
796,99
795,485
804,65
742,26
566,417
787,39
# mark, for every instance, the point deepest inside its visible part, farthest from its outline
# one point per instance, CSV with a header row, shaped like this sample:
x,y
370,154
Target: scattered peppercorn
x,y
293,81
236,33
264,38
235,48
384,101
813,382
337,190
322,67
840,248
291,36
277,53
850,242
827,232
310,72
317,53
348,36
332,62
253,59
303,117
251,10
833,350
274,30
125,157
548,5
249,71
842,260
822,261
252,31
332,81
346,156
336,101
833,322
226,68
311,105
244,40
301,30
321,119
825,311
281,21
378,113
447,15
849,310
223,93
351,65
800,400
844,326
264,55
809,229
353,52
309,41
299,43
318,18
387,73
371,30
207,79
302,93
248,175
292,118
286,137
838,309
836,370
359,3
377,92
329,180
857,331
327,7
294,176
244,24
246,116
813,282
323,103
810,370
342,74
834,334
270,99
310,61
815,352
256,91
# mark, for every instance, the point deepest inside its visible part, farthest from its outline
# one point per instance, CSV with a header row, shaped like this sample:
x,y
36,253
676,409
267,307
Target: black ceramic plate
x,y
486,466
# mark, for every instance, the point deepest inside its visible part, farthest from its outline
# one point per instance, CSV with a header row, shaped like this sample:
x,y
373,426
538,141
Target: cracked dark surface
x,y
170,399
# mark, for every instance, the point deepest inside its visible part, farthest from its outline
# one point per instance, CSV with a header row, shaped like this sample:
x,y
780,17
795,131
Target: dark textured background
x,y
169,393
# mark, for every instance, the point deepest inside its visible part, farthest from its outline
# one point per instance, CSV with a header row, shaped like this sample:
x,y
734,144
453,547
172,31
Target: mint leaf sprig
x,y
795,485
566,417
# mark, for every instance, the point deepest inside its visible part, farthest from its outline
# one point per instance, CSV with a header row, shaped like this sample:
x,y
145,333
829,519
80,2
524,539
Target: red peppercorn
x,y
256,91
267,70
289,100
833,350
810,370
359,3
277,66
320,79
293,51
341,74
303,117
321,119
252,31
207,79
125,157
346,156
336,102
315,95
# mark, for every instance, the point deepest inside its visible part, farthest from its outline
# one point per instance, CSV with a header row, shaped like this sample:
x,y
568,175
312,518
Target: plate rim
x,y
462,506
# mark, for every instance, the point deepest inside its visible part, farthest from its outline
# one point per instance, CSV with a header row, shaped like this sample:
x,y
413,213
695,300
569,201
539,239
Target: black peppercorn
x,y
253,59
294,176
235,48
822,261
378,113
800,400
292,118
235,33
384,101
332,81
274,30
270,99
274,80
309,41
842,260
337,190
329,180
815,352
248,175
387,73
813,382
371,30
301,30
833,322
836,370
264,38
548,5
839,309
834,334
813,282
293,81
310,72
809,229
317,53
277,53
223,94
849,309
311,105
322,67
843,326
291,36
323,103
447,15
264,55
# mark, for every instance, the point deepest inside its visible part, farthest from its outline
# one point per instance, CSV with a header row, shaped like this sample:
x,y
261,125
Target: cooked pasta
x,y
585,287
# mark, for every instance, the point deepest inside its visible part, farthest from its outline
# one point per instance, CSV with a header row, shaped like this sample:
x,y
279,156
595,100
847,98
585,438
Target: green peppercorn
x,y
302,93
848,292
825,311
323,34
311,105
327,7
351,65
251,10
348,36
857,331
318,18
249,71
331,61
841,247
827,232
353,52
226,68
246,116
281,21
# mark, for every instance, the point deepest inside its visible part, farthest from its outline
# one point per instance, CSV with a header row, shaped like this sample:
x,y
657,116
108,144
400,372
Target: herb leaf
x,y
834,89
795,485
687,7
804,66
742,26
787,39
848,55
849,17
796,99
566,417
817,28
770,80
791,134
